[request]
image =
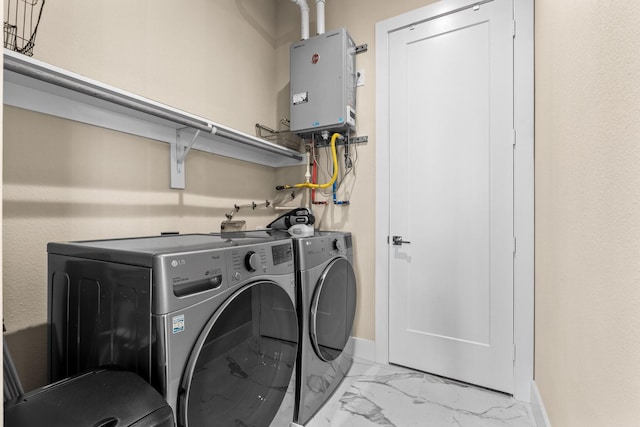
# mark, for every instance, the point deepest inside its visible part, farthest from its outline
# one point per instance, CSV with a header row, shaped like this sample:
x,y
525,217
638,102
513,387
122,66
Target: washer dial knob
x,y
251,261
337,245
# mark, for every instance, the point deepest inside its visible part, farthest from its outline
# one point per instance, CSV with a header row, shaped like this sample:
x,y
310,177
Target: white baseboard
x,y
364,349
537,407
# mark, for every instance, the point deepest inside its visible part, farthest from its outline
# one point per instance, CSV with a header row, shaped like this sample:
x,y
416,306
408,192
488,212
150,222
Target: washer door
x,y
243,362
333,309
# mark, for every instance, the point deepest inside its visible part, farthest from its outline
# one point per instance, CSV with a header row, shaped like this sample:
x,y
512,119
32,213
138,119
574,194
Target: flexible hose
x,y
334,155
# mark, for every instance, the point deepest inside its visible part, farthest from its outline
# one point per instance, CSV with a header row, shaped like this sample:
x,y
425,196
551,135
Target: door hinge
x,y
513,28
514,245
514,138
514,352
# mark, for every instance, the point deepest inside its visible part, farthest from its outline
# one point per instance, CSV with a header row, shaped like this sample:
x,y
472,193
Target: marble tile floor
x,y
375,395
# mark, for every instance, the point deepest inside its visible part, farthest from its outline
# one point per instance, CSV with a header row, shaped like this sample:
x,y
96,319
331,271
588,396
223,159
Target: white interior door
x,y
451,196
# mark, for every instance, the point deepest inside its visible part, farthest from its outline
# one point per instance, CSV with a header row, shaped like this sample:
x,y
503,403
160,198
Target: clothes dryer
x,y
210,322
326,286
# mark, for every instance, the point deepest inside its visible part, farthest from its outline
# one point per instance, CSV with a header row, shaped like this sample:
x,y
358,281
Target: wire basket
x,y
285,138
21,20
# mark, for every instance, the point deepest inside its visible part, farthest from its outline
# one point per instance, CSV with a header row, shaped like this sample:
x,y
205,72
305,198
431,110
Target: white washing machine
x,y
326,310
210,322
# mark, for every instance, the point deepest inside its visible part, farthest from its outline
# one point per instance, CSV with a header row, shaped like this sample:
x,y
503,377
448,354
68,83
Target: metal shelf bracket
x,y
178,155
177,151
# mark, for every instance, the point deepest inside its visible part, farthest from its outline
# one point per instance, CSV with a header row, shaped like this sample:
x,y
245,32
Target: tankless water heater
x,y
323,84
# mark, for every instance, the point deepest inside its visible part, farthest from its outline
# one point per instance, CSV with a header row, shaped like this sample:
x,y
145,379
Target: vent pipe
x,y
320,17
304,16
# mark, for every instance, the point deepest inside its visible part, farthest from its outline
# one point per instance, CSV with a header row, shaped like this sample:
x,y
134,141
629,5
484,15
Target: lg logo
x,y
177,262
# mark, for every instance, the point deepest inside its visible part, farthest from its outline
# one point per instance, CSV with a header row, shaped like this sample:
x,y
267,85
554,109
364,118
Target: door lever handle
x,y
397,240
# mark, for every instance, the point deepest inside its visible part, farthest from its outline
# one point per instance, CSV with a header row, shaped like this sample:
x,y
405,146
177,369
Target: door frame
x,y
523,292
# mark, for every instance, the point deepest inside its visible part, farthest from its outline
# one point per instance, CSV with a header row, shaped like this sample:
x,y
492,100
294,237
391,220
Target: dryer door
x,y
242,365
333,309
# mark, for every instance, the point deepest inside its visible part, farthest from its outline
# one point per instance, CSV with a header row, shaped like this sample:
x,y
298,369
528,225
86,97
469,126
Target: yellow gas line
x,y
308,184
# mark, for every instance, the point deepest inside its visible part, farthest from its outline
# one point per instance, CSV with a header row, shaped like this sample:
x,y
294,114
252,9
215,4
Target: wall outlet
x,y
359,78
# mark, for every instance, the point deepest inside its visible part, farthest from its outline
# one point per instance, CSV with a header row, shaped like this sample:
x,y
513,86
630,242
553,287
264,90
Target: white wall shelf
x,y
34,85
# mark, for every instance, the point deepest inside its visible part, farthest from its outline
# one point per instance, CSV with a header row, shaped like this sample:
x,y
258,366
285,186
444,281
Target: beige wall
x,y
210,58
587,356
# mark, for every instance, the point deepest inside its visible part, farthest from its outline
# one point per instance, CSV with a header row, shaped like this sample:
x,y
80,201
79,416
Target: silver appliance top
x,y
141,250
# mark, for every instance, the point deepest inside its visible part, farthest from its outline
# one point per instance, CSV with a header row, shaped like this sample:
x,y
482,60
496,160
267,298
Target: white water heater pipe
x,y
320,17
304,18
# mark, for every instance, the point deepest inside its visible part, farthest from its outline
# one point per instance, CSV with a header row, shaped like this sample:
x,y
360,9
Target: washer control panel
x,y
251,261
282,253
187,274
193,272
271,258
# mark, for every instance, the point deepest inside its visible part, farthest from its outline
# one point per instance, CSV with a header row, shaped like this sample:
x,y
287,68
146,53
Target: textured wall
x,y
588,211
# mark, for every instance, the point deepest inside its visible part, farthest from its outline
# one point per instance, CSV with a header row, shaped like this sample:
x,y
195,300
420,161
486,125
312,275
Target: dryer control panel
x,y
315,250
